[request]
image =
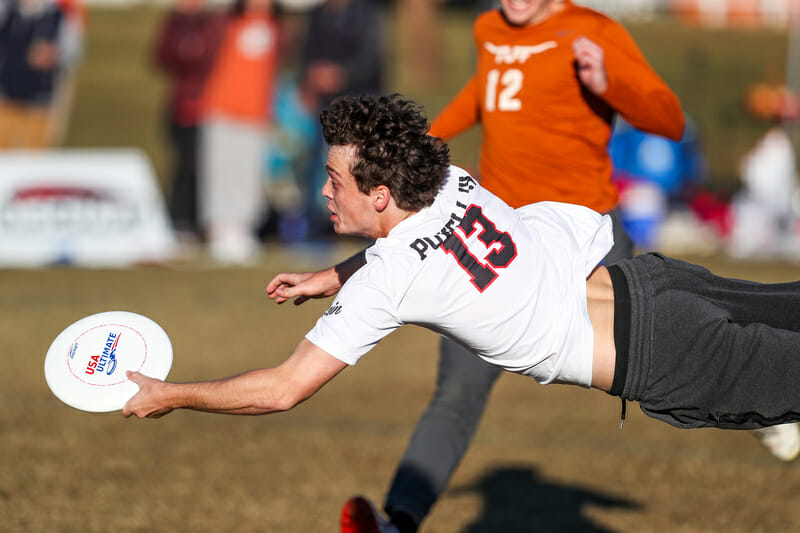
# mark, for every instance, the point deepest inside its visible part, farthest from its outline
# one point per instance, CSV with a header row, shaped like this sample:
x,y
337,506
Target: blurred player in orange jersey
x,y
236,110
550,78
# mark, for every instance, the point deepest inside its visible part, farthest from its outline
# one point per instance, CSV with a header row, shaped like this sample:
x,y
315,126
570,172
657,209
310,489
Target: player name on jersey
x,y
423,245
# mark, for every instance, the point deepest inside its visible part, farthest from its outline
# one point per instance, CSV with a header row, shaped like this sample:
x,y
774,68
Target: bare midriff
x,y
600,302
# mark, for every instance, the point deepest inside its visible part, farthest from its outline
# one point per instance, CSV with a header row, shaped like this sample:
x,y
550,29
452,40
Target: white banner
x,y
98,208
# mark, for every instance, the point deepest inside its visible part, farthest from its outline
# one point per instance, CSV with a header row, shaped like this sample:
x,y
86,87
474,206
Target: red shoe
x,y
360,516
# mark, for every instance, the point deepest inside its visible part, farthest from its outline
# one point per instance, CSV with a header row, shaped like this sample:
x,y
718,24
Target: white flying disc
x,y
86,363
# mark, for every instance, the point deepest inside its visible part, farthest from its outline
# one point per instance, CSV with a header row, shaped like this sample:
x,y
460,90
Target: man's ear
x,y
381,196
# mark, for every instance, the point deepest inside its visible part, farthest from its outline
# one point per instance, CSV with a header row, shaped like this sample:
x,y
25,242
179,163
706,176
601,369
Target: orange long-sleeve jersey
x,y
545,136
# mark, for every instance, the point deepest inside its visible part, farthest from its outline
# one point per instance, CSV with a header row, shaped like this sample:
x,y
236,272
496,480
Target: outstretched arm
x,y
256,392
306,285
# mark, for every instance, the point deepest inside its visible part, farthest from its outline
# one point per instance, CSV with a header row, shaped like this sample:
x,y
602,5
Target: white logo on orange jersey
x,y
512,54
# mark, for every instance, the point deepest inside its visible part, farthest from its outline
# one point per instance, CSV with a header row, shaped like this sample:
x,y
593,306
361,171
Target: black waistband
x,y
622,328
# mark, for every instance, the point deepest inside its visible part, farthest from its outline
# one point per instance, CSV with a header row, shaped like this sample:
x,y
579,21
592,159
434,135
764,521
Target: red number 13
x,y
481,275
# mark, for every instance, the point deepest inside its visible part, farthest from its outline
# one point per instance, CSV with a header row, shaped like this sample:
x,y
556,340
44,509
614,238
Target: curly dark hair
x,y
392,144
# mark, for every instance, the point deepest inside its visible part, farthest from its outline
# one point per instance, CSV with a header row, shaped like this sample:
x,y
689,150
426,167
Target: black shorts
x,y
699,350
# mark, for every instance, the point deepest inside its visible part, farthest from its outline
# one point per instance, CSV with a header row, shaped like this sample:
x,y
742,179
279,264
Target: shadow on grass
x,y
516,500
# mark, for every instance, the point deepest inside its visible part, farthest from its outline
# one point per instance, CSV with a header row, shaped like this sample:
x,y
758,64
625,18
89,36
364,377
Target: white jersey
x,y
509,285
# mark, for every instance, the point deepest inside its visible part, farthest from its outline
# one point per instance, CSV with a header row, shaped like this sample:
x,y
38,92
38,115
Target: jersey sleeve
x,y
460,114
635,90
361,315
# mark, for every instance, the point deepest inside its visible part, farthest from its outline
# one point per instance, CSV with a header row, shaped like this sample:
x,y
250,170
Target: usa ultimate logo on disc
x,y
86,364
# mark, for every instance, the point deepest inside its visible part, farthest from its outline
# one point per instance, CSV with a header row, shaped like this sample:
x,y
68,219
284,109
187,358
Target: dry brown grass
x,y
545,458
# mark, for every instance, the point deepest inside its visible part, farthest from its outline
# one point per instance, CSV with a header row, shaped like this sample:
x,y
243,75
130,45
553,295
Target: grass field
x,y
546,459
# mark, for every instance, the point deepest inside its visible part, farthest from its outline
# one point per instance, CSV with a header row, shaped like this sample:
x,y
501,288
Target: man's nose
x,y
327,189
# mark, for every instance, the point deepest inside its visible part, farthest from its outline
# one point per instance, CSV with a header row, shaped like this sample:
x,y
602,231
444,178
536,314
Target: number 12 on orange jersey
x,y
502,89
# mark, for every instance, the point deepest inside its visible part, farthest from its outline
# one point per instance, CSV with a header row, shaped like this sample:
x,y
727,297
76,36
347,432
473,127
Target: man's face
x,y
525,12
352,210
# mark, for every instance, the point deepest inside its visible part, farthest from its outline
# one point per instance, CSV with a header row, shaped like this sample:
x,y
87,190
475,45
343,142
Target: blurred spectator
x,y
236,112
185,48
343,56
675,166
295,129
70,45
344,50
766,221
29,63
654,175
